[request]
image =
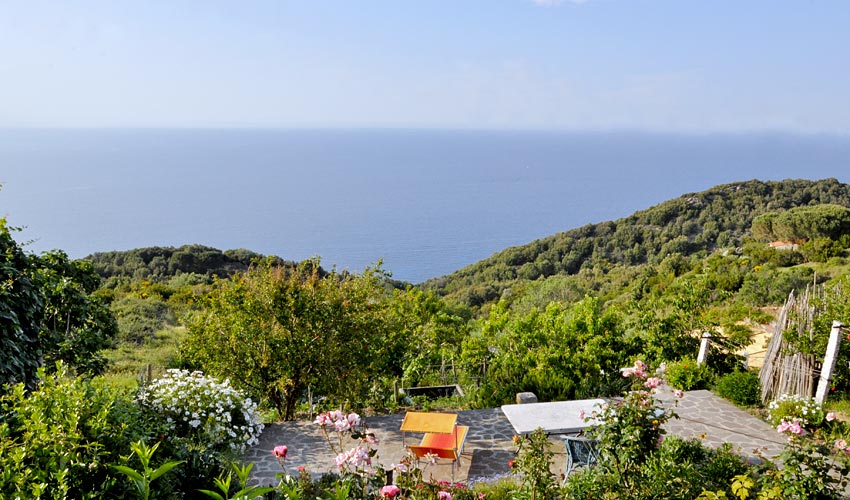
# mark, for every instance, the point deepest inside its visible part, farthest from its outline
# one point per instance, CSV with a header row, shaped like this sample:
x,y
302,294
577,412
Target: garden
x,y
280,342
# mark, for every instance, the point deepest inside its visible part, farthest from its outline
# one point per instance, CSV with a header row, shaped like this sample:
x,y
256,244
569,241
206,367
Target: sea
x,y
423,203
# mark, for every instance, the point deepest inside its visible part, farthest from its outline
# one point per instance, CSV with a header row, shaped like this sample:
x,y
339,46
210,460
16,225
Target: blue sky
x,y
682,65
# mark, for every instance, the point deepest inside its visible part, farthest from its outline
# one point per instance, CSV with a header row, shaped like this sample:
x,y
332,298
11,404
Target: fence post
x,y
703,348
829,362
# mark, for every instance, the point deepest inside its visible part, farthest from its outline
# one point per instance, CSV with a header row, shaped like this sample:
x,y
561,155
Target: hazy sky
x,y
594,64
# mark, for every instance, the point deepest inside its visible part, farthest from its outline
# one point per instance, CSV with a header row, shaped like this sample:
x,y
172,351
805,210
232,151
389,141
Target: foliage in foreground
x,y
48,313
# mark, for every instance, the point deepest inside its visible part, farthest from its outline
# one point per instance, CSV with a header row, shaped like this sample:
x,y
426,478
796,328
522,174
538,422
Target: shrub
x,y
203,409
792,408
741,388
204,423
532,462
688,375
58,440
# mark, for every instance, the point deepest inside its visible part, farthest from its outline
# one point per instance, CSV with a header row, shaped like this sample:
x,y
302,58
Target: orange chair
x,y
448,446
443,437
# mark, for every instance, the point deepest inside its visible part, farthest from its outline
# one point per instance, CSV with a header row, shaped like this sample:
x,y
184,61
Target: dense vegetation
x,y
559,317
694,224
162,263
48,313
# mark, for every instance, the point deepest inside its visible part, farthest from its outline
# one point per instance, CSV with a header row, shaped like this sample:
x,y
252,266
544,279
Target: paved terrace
x,y
489,446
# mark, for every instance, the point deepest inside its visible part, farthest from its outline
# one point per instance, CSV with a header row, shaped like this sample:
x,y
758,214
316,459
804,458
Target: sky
x,y
659,65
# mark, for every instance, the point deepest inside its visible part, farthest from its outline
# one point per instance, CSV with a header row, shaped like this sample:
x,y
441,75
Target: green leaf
x,y
212,494
135,476
163,469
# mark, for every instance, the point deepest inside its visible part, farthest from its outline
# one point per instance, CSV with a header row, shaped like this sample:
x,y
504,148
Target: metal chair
x,y
581,452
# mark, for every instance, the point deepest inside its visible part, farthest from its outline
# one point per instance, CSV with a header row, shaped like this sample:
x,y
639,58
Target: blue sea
x,y
425,202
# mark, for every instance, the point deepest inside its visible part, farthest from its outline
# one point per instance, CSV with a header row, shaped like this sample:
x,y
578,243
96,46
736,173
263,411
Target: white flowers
x,y
201,406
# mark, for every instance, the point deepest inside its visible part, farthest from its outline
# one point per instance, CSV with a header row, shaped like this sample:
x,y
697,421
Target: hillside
x,y
694,224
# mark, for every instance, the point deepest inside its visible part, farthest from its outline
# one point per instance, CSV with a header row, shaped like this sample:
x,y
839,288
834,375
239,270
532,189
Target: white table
x,y
557,417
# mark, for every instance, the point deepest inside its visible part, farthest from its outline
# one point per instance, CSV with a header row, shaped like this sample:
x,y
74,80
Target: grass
x,y
128,362
832,268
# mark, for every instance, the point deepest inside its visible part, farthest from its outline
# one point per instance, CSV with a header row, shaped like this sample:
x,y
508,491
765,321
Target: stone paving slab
x,y
714,420
489,444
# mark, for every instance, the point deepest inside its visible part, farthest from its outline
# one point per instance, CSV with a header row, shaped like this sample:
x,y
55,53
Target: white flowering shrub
x,y
196,406
792,408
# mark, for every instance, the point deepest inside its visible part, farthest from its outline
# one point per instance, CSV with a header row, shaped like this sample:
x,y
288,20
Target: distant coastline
x,y
427,202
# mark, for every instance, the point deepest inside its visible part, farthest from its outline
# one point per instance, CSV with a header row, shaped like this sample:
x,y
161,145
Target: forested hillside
x,y
694,224
157,263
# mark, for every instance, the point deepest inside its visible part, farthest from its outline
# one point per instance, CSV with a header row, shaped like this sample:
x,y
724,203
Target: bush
x,y
58,440
687,375
205,423
792,408
203,409
741,388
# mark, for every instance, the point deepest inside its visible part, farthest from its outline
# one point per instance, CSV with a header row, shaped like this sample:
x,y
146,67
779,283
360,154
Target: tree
x,y
21,308
275,330
48,313
76,324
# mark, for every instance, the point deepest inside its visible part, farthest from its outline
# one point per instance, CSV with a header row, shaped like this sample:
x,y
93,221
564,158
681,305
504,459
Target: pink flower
x,y
581,414
353,419
830,416
301,468
280,451
371,438
793,427
399,467
628,372
653,382
678,393
341,459
841,444
444,495
390,491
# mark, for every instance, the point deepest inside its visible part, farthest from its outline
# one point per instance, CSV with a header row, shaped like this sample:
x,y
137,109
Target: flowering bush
x,y
354,460
203,409
631,428
795,411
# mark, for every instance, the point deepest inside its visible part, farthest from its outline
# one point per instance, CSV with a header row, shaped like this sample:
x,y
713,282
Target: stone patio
x,y
489,444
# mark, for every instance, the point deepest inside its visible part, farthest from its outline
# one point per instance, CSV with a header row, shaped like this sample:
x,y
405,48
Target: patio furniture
x,y
443,437
581,452
557,417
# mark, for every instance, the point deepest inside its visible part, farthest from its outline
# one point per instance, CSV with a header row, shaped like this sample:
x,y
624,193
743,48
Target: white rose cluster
x,y
194,404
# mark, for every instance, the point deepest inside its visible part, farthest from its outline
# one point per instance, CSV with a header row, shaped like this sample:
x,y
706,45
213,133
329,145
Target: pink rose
x,y
830,416
444,495
390,491
280,451
581,414
399,467
678,393
653,382
841,444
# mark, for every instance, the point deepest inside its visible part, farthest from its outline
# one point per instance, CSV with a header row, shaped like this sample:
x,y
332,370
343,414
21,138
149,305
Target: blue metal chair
x,y
581,452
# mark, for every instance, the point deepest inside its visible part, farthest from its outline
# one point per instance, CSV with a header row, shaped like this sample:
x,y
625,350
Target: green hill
x,y
694,224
